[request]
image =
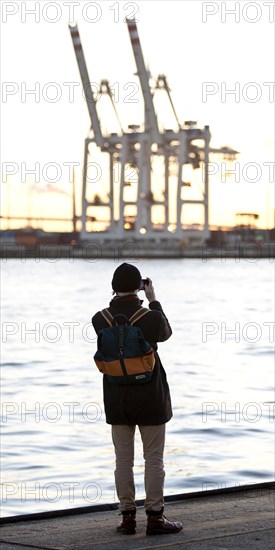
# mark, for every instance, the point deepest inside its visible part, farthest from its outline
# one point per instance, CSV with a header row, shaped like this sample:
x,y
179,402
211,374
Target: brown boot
x,y
128,523
157,524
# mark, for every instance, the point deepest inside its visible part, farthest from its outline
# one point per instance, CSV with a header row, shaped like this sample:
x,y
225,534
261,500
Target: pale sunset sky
x,y
193,43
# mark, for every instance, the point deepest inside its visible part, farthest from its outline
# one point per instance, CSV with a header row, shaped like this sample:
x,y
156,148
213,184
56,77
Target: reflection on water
x,y
56,446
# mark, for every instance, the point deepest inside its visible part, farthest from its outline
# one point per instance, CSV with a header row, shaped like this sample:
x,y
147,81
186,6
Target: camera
x,y
143,283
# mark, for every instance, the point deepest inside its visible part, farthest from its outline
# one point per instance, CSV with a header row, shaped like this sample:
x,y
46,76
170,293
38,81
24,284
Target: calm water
x,y
56,446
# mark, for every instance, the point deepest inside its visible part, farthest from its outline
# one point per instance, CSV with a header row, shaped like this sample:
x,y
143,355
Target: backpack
x,y
123,354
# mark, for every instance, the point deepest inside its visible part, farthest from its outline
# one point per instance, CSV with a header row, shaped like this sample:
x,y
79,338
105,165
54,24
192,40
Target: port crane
x,y
136,148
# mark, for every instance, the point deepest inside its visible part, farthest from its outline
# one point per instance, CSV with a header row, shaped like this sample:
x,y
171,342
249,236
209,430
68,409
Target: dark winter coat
x,y
145,404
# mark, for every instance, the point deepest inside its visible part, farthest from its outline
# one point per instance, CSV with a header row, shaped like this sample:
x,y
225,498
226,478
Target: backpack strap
x,y
107,316
138,315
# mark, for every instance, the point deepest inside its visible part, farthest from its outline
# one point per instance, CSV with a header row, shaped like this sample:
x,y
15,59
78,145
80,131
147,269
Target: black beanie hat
x,y
126,278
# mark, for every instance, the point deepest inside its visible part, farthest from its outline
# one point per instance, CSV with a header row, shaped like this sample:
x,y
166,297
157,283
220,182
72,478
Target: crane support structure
x,y
151,121
91,102
131,185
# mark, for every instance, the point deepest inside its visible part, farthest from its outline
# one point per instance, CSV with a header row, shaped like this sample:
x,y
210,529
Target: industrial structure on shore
x,y
130,194
136,150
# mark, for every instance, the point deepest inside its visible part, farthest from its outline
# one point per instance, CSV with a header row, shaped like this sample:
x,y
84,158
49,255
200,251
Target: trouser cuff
x,y
155,512
129,512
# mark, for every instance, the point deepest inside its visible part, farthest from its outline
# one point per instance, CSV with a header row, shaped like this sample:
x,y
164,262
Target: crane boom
x,y
91,103
105,88
150,116
163,83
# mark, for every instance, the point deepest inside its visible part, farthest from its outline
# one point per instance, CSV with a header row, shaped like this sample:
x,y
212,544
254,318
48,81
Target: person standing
x,y
147,406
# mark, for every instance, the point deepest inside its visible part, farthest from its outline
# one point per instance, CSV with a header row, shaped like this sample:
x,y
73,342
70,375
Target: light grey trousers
x,y
153,439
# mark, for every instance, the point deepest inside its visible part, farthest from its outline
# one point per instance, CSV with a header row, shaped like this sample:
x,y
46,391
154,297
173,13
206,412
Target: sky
x,y
204,50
